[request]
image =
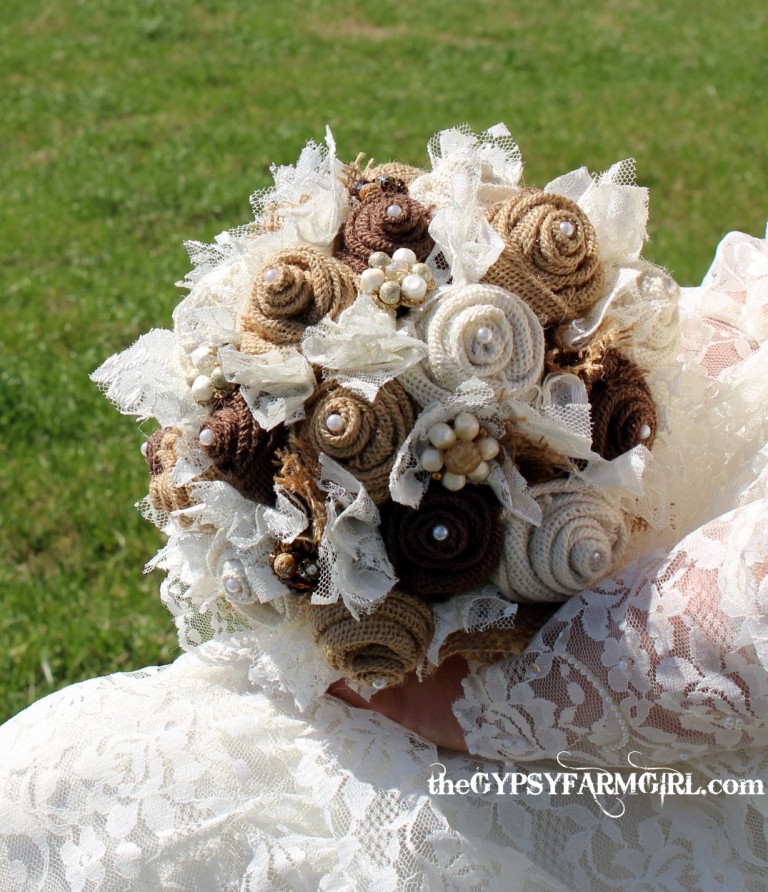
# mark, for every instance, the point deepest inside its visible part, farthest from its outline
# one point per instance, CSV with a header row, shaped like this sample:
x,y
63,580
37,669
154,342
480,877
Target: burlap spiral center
x,y
550,257
484,331
622,406
294,288
383,646
363,437
242,453
450,544
384,223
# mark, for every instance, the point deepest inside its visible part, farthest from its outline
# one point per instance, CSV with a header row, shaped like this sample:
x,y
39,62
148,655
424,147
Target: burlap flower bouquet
x,y
404,413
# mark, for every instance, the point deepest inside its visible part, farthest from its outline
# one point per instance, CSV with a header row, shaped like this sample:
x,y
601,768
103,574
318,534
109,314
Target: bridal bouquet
x,y
404,413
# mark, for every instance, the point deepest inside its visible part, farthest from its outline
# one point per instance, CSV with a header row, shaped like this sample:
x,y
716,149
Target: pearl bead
x,y
738,722
371,279
441,435
484,335
670,285
683,757
392,269
466,426
233,585
534,671
394,211
143,448
379,683
413,287
271,275
596,561
453,482
389,293
520,743
335,423
202,389
567,228
645,432
404,256
729,721
199,355
311,570
481,473
489,448
440,532
431,459
207,437
378,259
624,664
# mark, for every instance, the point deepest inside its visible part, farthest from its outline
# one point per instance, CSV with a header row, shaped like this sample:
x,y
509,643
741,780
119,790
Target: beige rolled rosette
x,y
362,437
581,539
380,648
550,257
295,288
485,332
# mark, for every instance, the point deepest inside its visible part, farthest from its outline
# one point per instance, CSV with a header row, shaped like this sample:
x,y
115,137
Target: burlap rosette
x,y
448,545
243,454
485,332
384,222
622,407
295,288
550,257
362,437
161,455
581,538
379,648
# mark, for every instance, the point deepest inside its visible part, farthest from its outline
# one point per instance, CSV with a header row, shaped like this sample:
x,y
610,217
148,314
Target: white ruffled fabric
x,y
205,775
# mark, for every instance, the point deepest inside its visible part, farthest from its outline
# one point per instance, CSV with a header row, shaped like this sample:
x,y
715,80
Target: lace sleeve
x,y
668,657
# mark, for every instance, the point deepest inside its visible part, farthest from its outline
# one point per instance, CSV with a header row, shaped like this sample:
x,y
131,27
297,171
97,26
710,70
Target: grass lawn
x,y
128,127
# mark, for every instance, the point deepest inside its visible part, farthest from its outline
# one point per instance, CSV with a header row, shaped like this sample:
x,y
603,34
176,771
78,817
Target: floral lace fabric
x,y
203,775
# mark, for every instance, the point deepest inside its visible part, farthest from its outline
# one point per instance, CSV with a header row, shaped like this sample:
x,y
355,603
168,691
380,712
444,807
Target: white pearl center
x,y
335,423
645,432
271,274
484,335
379,683
440,532
232,585
144,448
567,228
394,210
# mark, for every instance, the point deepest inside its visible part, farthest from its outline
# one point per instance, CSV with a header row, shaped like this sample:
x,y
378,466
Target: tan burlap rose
x,y
492,645
384,222
550,257
242,453
161,459
294,288
362,437
621,405
581,538
380,648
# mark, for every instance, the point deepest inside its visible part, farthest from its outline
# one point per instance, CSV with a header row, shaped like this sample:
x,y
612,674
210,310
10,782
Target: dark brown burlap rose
x,y
243,454
295,287
550,257
621,405
448,545
384,222
380,648
362,437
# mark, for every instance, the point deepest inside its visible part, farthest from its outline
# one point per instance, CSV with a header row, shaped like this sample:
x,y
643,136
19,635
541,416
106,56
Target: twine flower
x,y
581,538
450,544
379,648
295,287
550,257
162,455
384,222
622,407
484,332
242,453
362,437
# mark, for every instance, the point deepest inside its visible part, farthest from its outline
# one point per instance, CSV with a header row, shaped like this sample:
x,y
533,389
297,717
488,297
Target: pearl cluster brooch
x,y
459,452
396,281
206,379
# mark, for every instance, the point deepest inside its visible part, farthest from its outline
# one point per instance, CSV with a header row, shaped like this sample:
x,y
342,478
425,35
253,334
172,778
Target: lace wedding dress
x,y
192,776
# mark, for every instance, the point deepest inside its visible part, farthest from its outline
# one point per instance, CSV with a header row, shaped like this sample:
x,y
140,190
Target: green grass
x,y
127,127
